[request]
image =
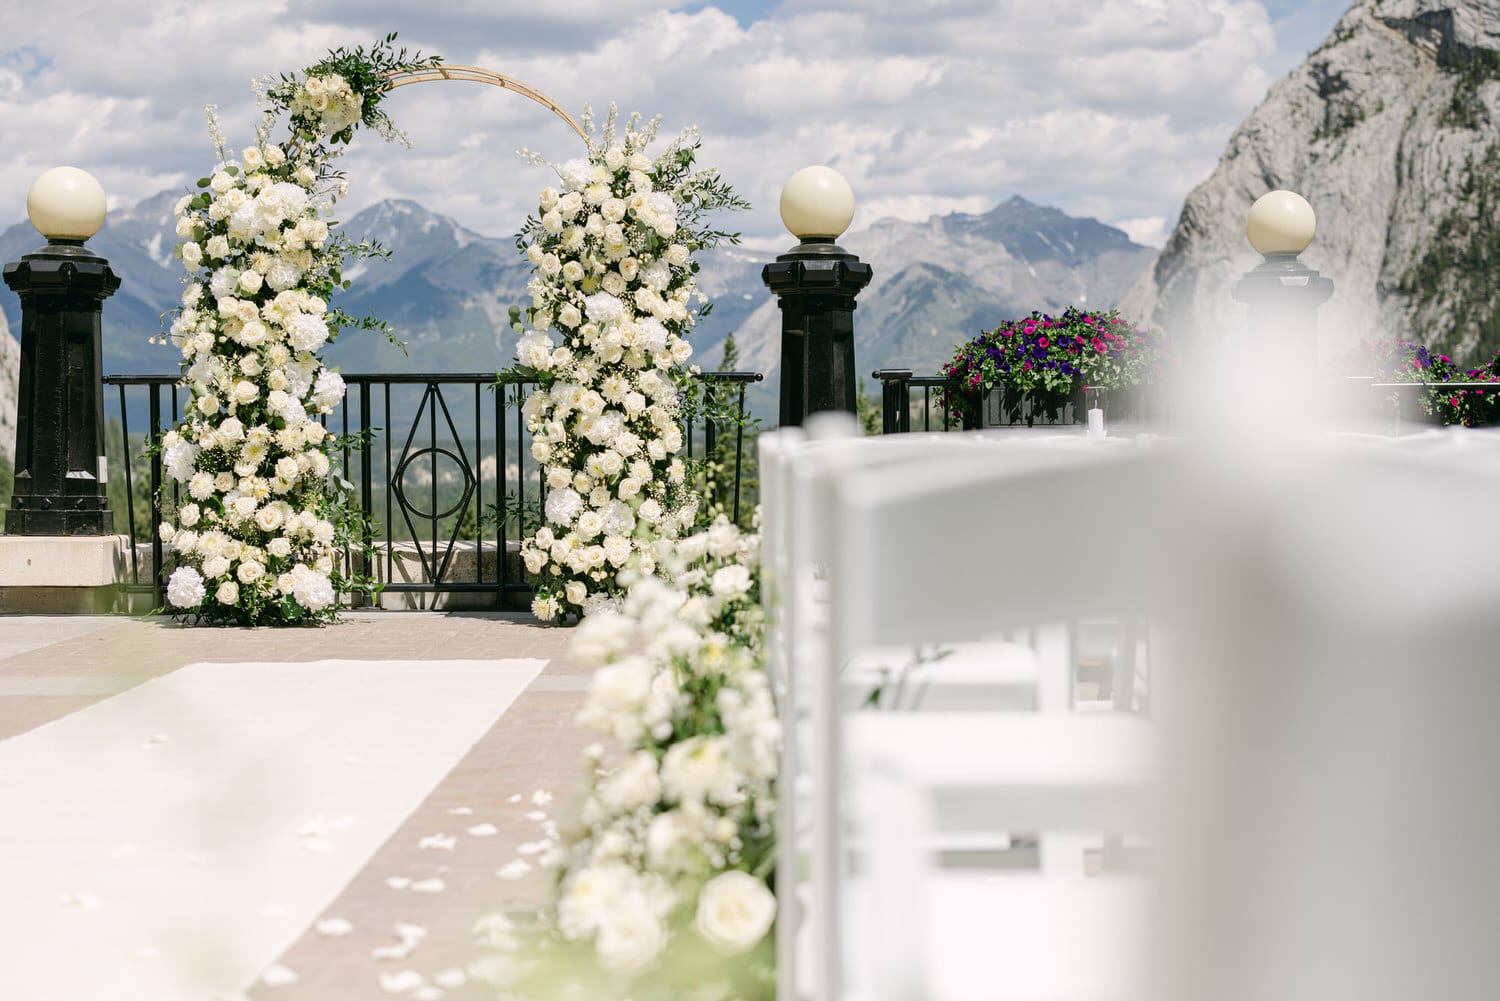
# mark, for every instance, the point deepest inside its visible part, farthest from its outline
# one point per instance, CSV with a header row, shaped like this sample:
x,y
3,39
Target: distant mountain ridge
x,y
447,289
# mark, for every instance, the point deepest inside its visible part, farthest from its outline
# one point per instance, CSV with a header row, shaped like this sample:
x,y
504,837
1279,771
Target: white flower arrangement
x,y
613,300
663,881
258,543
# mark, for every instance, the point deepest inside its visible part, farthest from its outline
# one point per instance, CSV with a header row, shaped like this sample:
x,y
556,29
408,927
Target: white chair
x,y
794,548
1329,837
983,762
913,921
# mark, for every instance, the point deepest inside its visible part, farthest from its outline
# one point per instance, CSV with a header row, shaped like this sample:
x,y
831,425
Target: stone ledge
x,y
57,561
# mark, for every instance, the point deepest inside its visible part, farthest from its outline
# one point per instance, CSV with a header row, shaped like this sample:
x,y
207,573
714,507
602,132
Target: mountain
x,y
1389,130
447,290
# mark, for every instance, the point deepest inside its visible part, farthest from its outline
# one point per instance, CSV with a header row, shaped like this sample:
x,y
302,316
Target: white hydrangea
x,y
185,588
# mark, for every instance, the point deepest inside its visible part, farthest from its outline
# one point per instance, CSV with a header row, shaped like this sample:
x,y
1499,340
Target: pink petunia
x,y
1043,341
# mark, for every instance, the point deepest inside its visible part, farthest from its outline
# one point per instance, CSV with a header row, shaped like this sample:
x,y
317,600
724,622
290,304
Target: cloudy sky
x,y
1107,108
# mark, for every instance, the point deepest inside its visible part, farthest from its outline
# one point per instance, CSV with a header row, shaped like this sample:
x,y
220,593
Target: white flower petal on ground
x,y
514,799
461,811
533,847
541,798
514,870
334,927
398,882
428,993
450,978
403,982
483,831
536,815
438,842
278,976
433,885
409,936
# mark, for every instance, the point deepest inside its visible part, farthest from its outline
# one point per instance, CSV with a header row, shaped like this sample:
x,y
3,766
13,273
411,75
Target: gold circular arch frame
x,y
443,71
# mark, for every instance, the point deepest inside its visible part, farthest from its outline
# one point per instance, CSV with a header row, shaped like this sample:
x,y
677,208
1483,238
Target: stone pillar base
x,y
63,574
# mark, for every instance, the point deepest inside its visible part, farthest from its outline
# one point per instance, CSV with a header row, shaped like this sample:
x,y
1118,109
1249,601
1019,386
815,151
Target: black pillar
x,y
1283,295
816,283
59,485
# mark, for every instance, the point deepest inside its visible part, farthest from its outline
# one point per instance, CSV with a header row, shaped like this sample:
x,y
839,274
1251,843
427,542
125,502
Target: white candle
x,y
1096,423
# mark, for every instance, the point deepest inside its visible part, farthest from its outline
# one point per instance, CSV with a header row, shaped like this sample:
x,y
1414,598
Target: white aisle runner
x,y
169,843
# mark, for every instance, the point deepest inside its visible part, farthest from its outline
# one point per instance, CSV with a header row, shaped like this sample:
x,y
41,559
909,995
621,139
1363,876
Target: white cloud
x,y
1113,109
1148,232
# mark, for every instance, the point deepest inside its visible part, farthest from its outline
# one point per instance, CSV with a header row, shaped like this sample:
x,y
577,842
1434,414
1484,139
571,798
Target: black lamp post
x,y
816,283
1283,293
60,471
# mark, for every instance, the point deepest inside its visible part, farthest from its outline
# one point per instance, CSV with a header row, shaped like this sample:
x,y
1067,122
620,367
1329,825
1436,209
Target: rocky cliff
x,y
1390,131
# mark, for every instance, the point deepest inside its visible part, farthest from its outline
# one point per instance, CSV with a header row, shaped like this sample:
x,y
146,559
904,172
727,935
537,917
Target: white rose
x,y
245,391
279,547
250,571
735,910
188,515
731,581
228,593
631,937
575,592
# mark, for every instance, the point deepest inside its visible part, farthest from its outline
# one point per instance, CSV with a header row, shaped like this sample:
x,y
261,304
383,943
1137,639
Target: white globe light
x,y
66,203
817,202
1281,222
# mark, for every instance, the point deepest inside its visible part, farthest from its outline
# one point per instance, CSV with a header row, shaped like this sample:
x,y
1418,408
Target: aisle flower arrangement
x,y
613,300
663,881
257,535
1409,361
1052,357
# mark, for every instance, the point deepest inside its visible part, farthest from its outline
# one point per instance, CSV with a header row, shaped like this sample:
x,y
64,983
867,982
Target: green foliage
x,y
1460,262
367,71
1471,67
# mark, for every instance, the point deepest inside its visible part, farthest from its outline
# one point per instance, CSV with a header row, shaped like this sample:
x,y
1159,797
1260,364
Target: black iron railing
x,y
909,403
439,464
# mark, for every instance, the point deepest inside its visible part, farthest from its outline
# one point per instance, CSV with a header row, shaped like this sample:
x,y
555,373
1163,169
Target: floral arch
x,y
613,295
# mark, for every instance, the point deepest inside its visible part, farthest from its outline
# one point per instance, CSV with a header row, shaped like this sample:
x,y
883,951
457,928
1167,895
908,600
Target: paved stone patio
x,y
51,666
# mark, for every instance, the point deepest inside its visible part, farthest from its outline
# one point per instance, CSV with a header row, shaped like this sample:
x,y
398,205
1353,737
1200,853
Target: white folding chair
x,y
873,515
1328,764
794,550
